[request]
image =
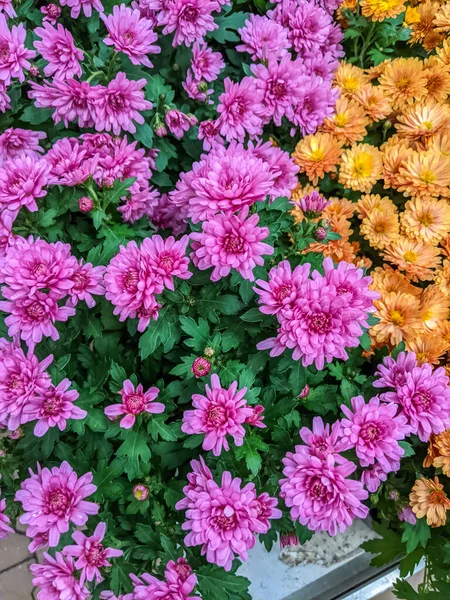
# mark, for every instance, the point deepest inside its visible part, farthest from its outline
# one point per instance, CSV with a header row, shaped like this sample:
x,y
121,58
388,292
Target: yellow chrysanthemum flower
x,y
360,167
380,229
416,258
317,154
378,10
349,78
428,220
438,79
425,175
403,82
398,316
375,105
434,305
348,124
421,121
385,280
372,203
411,16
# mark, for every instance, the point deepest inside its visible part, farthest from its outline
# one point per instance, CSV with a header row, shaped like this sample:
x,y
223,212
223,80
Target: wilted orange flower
x,y
442,277
385,280
398,316
339,207
378,10
442,446
416,258
380,229
370,203
425,175
317,154
438,79
442,18
422,28
393,157
360,167
434,305
427,498
443,53
421,121
428,347
403,81
375,105
428,220
348,124
349,78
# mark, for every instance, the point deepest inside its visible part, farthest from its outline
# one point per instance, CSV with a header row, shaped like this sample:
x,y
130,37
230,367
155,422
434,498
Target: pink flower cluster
x,y
319,316
224,519
179,583
134,402
36,276
421,394
220,413
5,529
136,275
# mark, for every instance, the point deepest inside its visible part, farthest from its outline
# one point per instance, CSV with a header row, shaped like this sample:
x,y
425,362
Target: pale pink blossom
x,y
55,579
14,56
18,143
57,47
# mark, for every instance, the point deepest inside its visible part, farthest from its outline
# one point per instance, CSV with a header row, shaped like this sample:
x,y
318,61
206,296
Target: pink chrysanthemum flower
x,y
180,572
87,281
33,265
56,581
53,407
190,20
323,440
178,122
220,413
281,86
72,100
196,90
39,542
197,481
283,287
230,242
265,507
22,181
238,107
5,100
374,430
256,418
317,102
53,498
58,49
282,167
140,201
424,399
319,493
406,515
69,163
134,402
131,34
120,104
51,13
206,64
22,378
18,143
5,529
167,258
263,38
309,28
34,317
180,582
6,6
208,131
85,5
223,519
373,477
14,56
122,160
91,553
312,204
392,372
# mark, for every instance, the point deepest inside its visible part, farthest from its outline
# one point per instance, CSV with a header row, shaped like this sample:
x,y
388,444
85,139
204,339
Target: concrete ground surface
x,y
15,576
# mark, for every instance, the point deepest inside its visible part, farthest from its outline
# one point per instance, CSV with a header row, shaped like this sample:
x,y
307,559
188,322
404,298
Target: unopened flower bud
x,y
209,352
305,392
320,234
16,435
53,11
202,87
140,492
288,539
394,495
85,204
161,130
201,367
34,71
324,223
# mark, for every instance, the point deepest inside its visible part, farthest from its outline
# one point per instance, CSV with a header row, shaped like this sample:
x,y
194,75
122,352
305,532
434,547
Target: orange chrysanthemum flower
x,y
374,72
380,229
422,121
375,105
339,207
337,250
349,78
431,452
442,18
428,220
434,307
421,30
360,167
445,245
428,499
370,203
399,317
443,53
442,277
442,449
443,330
425,175
348,124
394,157
385,280
438,79
317,154
362,262
428,347
403,82
416,258
378,10
440,143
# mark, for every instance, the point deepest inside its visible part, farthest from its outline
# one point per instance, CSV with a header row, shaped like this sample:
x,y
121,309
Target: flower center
x,y
284,291
318,490
426,219
278,88
166,263
184,571
226,520
135,403
94,556
39,269
233,244
14,382
217,416
117,102
317,155
58,502
410,256
190,14
379,228
52,406
403,83
130,279
35,311
437,497
397,318
427,177
341,120
370,432
422,400
320,322
128,37
362,166
80,281
321,446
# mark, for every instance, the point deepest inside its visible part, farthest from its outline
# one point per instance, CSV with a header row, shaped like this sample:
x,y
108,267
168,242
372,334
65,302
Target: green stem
x,y
111,65
93,75
367,42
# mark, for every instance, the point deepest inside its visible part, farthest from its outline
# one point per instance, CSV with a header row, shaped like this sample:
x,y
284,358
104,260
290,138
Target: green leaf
x,y
303,533
119,190
387,548
297,378
409,450
405,591
415,535
250,449
118,373
322,399
120,575
144,134
36,116
254,315
158,429
146,535
214,582
348,390
135,449
364,340
193,441
163,331
198,332
227,305
228,24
